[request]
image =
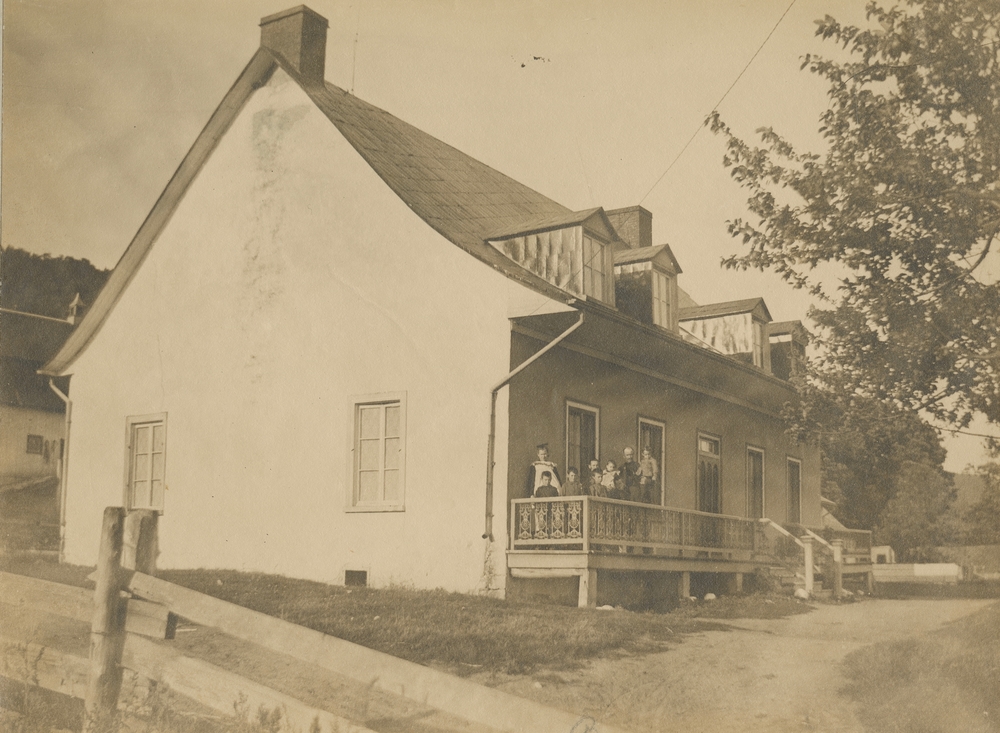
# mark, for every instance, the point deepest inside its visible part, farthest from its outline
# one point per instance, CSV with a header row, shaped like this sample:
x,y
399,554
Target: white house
x,y
295,359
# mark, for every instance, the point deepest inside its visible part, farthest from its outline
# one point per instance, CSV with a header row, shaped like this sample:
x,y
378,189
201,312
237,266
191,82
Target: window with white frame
x,y
379,429
758,344
662,284
755,483
593,267
709,473
582,436
145,461
794,479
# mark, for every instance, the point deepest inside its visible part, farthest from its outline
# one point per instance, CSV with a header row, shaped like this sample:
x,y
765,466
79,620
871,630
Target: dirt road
x,y
767,675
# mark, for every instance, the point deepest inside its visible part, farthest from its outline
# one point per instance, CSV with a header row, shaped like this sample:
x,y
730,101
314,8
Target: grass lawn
x,y
945,681
462,633
29,517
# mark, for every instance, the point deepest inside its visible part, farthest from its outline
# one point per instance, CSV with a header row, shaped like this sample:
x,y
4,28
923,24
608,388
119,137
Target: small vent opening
x,y
356,578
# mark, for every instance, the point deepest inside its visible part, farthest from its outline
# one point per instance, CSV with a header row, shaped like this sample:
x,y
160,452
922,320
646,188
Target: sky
x,y
587,102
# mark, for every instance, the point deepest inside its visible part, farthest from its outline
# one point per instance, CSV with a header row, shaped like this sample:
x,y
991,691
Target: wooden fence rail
x,y
127,633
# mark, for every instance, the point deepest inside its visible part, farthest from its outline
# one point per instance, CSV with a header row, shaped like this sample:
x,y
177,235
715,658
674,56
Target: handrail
x,y
782,530
817,538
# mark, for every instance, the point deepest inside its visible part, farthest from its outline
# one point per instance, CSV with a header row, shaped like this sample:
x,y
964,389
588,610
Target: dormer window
x,y
663,299
646,285
737,328
572,252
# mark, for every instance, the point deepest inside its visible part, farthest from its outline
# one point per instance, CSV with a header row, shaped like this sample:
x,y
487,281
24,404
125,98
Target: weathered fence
x,y
132,612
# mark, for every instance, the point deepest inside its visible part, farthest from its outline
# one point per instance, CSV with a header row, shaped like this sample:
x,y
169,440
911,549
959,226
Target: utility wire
x,y
721,100
725,94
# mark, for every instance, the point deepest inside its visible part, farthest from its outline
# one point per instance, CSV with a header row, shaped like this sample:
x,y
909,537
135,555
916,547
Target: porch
x,y
577,536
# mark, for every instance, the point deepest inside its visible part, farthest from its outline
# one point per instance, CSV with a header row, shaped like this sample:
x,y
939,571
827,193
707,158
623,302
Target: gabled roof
x,y
643,254
729,308
31,336
795,329
464,200
595,219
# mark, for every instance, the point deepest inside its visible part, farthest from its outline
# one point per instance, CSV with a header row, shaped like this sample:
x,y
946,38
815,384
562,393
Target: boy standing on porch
x,y
546,490
536,469
648,473
572,487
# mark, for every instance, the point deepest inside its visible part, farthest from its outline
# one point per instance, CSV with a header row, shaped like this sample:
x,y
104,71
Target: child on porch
x,y
546,490
572,487
595,487
612,483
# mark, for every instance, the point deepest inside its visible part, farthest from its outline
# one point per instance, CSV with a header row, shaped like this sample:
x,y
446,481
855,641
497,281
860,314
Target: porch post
x,y
735,583
587,597
838,567
807,553
870,582
684,585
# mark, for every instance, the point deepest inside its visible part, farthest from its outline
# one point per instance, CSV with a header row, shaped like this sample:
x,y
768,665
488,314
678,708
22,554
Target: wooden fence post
x,y
107,631
140,544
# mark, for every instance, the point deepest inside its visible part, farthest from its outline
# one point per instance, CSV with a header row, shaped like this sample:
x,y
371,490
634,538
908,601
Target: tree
x,y
917,519
983,518
46,285
904,204
865,445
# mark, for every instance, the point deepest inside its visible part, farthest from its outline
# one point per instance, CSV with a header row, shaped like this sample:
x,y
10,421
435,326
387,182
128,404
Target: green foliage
x,y
983,518
865,445
46,285
917,519
903,204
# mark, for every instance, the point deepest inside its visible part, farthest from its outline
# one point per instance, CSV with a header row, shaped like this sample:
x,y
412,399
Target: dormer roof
x,y
659,254
594,220
756,306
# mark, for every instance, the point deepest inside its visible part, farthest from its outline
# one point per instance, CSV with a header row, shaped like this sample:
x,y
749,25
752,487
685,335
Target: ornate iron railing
x,y
596,524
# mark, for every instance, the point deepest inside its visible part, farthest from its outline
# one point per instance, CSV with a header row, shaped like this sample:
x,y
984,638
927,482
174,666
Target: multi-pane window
x,y
661,299
709,470
755,483
378,454
758,344
593,268
581,436
794,471
651,437
146,461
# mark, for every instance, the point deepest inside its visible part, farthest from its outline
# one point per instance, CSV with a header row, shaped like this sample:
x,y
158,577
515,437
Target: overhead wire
x,y
574,274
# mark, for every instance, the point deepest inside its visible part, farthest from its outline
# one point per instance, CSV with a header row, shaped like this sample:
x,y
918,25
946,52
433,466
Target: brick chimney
x,y
634,226
299,36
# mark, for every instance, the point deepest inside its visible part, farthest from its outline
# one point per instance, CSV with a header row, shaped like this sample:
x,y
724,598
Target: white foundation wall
x,y
290,278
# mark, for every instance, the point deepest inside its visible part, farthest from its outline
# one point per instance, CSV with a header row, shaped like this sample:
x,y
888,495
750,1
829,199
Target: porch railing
x,y
857,544
608,525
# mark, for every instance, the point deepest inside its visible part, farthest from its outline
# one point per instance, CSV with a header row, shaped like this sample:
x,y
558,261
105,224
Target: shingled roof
x,y
729,308
464,200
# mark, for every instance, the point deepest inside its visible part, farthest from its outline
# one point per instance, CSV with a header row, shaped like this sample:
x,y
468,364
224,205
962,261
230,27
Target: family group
x,y
632,480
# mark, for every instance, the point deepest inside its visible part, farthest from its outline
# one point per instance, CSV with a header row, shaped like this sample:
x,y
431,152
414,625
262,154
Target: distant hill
x,y
46,285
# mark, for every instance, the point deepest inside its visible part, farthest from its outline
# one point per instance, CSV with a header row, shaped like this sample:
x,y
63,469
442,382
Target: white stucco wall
x,y
16,424
289,279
